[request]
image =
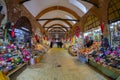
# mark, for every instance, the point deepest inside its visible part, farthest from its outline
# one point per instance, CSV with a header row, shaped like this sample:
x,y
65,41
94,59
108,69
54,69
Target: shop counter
x,y
107,70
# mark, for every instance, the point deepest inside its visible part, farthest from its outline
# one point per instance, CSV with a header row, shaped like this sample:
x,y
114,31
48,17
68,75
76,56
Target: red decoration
x,y
77,31
102,27
12,32
36,37
44,38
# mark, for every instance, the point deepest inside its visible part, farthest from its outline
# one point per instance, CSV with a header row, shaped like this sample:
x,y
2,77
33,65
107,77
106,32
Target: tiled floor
x,y
59,65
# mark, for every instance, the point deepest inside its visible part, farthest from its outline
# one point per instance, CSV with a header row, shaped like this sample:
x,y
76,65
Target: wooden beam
x,y
57,19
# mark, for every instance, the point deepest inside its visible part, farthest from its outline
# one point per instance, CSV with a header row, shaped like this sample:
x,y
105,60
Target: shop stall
x,y
16,49
91,36
76,42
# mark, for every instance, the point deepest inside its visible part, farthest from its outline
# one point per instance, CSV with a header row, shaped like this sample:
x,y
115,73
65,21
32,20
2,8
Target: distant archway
x,y
61,26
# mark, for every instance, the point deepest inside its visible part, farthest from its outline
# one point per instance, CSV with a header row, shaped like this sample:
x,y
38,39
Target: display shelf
x,y
16,70
107,70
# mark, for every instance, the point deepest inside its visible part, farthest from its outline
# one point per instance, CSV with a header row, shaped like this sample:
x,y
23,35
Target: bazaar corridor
x,y
57,64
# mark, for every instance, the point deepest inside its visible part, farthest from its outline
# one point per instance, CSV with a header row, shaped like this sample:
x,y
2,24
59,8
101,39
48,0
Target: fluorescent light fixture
x,y
65,25
69,17
25,29
79,5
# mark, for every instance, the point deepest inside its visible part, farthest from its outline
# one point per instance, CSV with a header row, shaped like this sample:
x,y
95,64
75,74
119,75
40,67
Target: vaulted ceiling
x,y
59,15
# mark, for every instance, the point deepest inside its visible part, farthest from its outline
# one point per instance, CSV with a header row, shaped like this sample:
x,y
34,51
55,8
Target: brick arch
x,y
57,25
114,11
24,22
58,8
54,20
92,12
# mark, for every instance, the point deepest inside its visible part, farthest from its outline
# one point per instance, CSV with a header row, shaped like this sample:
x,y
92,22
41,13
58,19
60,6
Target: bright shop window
x,y
79,5
115,33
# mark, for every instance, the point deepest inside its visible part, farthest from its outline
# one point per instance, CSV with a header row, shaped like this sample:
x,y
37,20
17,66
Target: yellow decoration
x,y
2,76
73,40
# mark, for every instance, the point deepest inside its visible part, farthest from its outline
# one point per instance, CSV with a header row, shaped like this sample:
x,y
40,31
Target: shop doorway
x,y
23,31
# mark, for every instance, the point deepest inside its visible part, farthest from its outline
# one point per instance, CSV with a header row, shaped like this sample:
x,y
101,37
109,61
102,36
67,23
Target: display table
x,y
107,70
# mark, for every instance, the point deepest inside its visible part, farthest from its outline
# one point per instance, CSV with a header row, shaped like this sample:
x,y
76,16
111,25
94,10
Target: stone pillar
x,y
104,10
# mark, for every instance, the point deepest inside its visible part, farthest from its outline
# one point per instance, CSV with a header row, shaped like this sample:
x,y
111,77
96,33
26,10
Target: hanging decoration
x,y
36,37
12,32
102,27
43,38
77,31
73,40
